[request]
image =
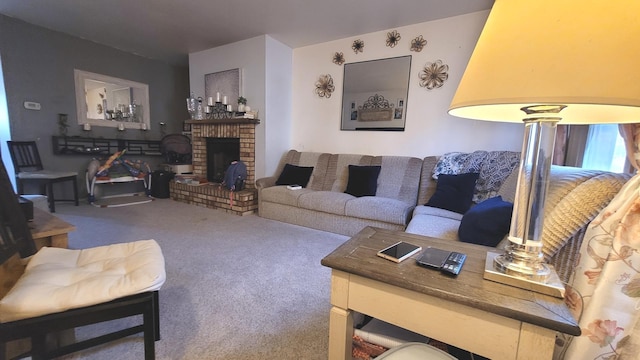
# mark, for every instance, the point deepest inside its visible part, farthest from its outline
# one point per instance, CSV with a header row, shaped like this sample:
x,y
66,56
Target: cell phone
x,y
433,257
399,251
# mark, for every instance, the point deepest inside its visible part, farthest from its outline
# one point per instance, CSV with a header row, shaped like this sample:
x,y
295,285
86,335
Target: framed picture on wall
x,y
354,111
397,114
227,83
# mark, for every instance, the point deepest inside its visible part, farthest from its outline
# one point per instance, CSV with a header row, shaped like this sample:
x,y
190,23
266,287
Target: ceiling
x,y
169,30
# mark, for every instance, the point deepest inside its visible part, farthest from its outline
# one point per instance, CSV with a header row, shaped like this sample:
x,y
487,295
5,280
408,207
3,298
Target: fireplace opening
x,y
220,153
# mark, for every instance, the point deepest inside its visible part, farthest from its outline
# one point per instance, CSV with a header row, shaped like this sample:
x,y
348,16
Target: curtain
x,y
604,293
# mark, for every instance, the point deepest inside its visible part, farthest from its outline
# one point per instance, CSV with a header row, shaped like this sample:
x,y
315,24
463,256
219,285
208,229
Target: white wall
x,y
279,82
249,56
429,129
266,83
278,104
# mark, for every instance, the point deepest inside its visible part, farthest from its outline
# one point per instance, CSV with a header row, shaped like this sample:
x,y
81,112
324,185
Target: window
x,y
605,149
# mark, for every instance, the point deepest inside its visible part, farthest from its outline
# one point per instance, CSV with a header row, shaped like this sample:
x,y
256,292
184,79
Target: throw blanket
x,y
493,166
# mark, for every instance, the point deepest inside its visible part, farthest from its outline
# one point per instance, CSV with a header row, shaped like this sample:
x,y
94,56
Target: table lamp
x,y
544,62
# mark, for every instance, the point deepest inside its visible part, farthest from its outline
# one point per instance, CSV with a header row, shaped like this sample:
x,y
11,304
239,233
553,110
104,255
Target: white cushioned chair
x,y
62,289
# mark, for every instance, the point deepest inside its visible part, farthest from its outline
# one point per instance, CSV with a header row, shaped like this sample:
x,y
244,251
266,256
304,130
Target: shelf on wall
x,y
75,145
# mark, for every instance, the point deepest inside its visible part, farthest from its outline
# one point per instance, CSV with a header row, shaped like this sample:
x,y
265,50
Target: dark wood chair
x,y
15,238
29,170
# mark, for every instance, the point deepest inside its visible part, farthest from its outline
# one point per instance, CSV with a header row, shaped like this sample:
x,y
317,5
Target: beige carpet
x,y
237,287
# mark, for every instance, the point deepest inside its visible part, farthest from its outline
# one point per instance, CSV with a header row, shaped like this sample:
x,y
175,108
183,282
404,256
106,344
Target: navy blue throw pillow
x,y
454,192
486,223
363,180
295,175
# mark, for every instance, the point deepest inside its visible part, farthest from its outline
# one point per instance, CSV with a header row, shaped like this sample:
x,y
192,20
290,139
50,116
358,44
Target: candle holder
x,y
219,111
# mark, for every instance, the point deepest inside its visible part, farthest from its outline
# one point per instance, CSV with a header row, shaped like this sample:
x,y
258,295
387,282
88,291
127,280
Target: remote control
x,y
453,264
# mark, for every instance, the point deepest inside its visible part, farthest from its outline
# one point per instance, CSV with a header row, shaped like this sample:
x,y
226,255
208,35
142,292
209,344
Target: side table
x,y
485,317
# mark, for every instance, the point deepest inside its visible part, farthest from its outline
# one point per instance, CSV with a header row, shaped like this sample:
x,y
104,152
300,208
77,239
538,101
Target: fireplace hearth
x,y
213,195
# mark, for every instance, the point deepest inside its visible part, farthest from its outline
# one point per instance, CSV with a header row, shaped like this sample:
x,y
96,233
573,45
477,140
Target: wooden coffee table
x,y
487,318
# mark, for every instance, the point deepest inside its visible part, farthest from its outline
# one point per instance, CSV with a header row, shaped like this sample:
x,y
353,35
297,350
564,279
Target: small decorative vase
x,y
240,107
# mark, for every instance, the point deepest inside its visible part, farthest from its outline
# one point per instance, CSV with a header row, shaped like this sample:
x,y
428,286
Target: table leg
x,y
340,318
340,334
535,342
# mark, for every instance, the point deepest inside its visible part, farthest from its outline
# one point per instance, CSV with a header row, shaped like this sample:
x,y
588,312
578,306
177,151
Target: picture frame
x,y
227,83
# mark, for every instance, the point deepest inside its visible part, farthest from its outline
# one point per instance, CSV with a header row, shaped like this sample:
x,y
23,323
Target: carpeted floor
x,y
237,287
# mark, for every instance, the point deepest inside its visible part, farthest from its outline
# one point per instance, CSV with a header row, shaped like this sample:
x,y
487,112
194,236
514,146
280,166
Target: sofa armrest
x,y
266,182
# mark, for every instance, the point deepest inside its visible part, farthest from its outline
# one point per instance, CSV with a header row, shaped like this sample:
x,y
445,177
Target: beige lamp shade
x,y
583,54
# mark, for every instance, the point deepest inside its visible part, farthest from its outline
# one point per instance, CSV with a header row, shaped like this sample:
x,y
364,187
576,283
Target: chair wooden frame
x,y
15,237
29,169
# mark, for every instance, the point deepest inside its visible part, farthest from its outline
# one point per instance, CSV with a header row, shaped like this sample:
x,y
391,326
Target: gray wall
x,y
38,66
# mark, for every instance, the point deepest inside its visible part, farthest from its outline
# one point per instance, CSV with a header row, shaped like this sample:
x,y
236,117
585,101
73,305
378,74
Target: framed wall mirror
x,y
112,102
374,95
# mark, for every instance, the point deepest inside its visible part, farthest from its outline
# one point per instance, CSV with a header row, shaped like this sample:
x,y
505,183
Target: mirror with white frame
x,y
111,102
374,95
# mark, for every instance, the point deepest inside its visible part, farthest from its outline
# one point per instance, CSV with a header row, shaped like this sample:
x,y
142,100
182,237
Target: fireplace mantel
x,y
224,121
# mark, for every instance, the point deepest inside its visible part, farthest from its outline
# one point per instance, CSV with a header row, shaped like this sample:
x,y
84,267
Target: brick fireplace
x,y
214,195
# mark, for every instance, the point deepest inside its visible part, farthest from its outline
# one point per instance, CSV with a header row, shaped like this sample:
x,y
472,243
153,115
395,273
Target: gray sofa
x,y
574,198
405,185
324,205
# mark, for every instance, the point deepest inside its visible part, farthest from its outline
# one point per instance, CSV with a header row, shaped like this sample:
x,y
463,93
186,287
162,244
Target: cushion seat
x,y
57,279
378,208
325,201
280,194
45,174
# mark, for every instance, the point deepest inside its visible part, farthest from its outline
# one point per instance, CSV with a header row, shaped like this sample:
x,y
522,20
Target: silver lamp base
x,y
552,286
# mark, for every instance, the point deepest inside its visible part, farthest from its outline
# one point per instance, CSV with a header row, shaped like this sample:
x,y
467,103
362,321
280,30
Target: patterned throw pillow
x,y
497,166
455,163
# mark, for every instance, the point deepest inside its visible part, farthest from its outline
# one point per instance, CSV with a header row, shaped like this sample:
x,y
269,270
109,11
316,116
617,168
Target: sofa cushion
x,y
58,279
434,226
363,180
326,201
486,223
282,195
295,175
428,210
379,208
454,192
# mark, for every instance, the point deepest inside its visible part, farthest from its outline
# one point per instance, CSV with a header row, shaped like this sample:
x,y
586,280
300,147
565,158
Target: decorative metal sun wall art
x,y
393,38
324,86
338,58
418,43
358,46
433,75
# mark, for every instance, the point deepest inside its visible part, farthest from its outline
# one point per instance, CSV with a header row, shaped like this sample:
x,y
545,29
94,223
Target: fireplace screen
x,y
220,153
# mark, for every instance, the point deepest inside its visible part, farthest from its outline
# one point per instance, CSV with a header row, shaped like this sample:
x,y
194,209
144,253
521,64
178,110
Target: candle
x,y
87,127
229,108
217,97
143,126
121,127
210,101
208,109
